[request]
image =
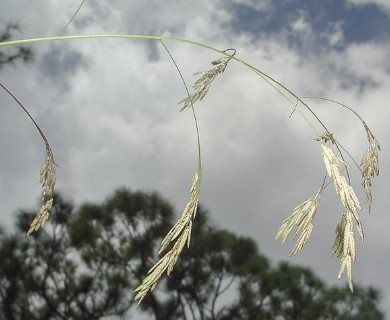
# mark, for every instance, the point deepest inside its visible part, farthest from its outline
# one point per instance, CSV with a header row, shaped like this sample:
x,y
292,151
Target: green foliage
x,y
11,56
86,263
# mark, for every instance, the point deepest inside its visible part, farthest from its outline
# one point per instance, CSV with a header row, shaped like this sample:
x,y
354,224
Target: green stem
x,y
274,83
193,112
31,118
283,90
71,19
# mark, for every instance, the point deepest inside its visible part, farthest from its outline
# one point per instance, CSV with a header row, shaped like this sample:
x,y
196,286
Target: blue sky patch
x,y
358,23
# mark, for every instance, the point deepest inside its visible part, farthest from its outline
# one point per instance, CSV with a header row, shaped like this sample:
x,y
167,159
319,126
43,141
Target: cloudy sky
x,y
109,109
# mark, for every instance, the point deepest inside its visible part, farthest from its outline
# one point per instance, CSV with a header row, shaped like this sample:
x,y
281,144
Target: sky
x,y
109,110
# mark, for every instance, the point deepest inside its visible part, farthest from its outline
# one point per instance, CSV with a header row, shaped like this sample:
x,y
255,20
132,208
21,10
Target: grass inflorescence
x,y
47,179
177,238
47,176
302,217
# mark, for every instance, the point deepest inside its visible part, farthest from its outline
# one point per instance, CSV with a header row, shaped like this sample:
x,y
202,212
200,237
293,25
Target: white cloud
x,y
117,122
256,5
383,4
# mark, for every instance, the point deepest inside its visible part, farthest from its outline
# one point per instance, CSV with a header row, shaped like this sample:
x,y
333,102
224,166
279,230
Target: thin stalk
x,y
31,118
274,83
350,109
71,19
193,111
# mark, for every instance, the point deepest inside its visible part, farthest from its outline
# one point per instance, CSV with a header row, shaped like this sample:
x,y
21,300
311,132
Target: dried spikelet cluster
x,y
47,174
181,231
344,245
202,85
302,218
370,163
181,234
342,187
48,180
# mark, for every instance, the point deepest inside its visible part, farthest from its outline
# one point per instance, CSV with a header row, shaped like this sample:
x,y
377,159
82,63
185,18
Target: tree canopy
x,y
87,261
19,53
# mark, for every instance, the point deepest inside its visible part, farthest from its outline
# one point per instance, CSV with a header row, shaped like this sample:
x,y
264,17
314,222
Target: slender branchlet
x,y
302,219
48,180
71,19
203,84
370,161
344,245
370,164
180,235
47,174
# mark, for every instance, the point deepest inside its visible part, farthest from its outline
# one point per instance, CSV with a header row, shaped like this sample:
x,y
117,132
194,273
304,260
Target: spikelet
x,y
370,164
181,235
48,180
302,218
344,244
203,84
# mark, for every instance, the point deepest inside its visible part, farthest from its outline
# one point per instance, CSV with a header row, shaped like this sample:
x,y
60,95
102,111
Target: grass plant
x,y
302,218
